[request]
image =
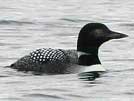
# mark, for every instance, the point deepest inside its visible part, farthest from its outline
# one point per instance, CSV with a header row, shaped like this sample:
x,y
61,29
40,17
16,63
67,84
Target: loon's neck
x,y
88,57
89,46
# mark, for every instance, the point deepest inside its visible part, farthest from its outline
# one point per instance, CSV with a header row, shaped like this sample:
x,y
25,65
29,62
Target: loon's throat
x,y
87,59
88,50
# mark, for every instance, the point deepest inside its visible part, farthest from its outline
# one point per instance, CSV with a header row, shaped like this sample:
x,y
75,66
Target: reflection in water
x,y
89,76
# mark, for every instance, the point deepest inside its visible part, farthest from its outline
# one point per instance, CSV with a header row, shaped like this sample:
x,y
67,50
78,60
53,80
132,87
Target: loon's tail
x,y
10,66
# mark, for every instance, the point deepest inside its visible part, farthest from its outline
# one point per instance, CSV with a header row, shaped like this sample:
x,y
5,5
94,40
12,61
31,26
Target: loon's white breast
x,y
84,69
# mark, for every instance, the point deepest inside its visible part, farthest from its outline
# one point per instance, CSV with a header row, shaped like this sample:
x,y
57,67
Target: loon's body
x,y
47,60
50,60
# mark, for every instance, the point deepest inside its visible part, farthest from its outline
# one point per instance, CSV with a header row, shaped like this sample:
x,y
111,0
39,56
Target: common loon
x,y
56,61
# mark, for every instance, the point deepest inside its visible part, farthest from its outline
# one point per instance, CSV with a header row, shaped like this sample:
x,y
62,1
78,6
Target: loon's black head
x,y
92,35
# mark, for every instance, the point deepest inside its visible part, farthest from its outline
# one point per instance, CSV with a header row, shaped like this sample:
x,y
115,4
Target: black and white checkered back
x,y
47,55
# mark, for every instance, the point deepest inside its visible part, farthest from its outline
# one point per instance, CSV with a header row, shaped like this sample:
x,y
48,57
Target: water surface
x,y
26,25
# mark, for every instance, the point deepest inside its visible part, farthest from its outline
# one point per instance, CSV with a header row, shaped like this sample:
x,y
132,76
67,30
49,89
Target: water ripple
x,y
120,60
55,89
74,20
43,95
127,24
75,95
13,22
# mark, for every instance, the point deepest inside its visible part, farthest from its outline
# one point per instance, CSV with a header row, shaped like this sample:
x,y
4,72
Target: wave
x,y
38,95
74,20
130,24
14,22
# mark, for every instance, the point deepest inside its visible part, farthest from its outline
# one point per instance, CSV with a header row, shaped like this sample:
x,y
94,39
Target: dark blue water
x,y
26,25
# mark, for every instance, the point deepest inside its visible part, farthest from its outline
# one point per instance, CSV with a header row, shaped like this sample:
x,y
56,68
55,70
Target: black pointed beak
x,y
116,35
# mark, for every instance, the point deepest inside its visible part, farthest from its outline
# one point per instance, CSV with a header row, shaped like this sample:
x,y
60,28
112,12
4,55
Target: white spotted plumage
x,y
47,55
